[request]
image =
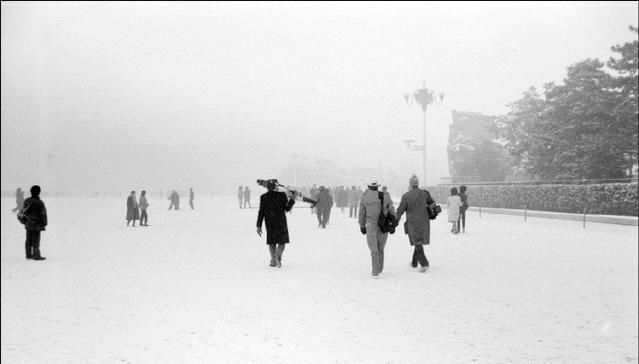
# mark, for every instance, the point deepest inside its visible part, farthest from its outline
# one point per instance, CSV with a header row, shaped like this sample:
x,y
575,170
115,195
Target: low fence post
x,y
525,212
585,208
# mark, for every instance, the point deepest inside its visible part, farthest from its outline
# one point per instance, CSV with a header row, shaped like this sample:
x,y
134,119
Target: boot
x,y
36,254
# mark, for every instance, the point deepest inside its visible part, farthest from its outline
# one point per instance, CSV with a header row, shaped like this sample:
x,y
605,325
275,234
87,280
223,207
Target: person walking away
x,y
273,208
191,197
454,205
34,218
240,196
132,212
372,204
144,204
324,204
247,197
415,204
19,200
464,207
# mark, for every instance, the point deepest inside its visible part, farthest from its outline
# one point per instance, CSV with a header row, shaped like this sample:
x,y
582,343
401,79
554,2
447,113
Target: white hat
x,y
373,182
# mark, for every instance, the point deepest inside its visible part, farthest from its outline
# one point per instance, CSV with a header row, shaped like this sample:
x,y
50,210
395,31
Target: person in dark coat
x,y
35,221
191,197
175,200
19,200
324,204
464,207
273,208
132,211
240,196
415,203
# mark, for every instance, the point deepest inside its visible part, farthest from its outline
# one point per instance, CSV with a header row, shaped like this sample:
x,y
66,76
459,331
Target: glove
x,y
259,231
363,230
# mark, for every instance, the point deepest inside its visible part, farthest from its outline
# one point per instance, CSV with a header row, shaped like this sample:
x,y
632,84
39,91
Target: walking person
x,y
464,207
191,197
273,208
19,200
132,212
415,203
247,197
144,204
454,205
240,196
324,205
175,200
352,202
372,204
34,218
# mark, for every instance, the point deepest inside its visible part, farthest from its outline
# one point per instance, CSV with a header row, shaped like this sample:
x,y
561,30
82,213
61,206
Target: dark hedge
x,y
598,199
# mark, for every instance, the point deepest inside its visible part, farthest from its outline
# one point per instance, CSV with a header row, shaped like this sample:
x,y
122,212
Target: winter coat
x,y
247,195
417,225
454,204
35,214
132,212
370,206
273,208
353,198
191,196
20,199
143,203
240,194
464,200
324,200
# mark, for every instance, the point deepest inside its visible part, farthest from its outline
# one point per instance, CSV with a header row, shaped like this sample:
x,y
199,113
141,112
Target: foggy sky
x,y
167,95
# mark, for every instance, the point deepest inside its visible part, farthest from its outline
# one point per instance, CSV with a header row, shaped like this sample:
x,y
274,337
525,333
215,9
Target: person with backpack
x,y
415,204
34,217
372,204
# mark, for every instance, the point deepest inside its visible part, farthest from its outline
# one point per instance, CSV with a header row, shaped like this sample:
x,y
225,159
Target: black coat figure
x,y
273,208
35,221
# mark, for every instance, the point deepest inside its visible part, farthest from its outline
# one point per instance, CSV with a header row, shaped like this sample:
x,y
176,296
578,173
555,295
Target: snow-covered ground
x,y
195,287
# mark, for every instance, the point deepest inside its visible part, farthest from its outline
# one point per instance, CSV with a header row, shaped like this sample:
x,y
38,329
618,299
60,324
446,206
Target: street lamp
x,y
423,97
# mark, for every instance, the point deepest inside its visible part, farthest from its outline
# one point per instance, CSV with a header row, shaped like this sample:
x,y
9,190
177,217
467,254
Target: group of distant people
x,y
137,210
417,204
457,205
244,197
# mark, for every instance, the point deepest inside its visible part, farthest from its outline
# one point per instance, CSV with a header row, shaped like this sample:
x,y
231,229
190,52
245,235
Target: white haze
x,y
121,96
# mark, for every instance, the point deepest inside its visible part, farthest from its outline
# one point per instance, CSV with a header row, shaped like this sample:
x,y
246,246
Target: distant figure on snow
x,y
175,200
19,200
247,197
273,208
240,196
34,217
464,207
353,200
415,203
144,204
191,197
324,205
132,212
454,205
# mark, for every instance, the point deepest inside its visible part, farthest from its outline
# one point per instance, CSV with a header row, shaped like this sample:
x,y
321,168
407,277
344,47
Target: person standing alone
x,y
247,197
464,207
273,208
415,203
191,197
34,218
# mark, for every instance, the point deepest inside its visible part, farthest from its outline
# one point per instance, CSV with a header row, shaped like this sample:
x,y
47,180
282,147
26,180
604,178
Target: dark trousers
x,y
462,219
144,218
32,244
419,257
322,216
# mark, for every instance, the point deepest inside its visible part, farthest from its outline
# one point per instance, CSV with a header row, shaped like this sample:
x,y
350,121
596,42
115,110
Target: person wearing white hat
x,y
371,205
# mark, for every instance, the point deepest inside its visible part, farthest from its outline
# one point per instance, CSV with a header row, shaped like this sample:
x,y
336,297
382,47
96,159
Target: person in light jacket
x,y
371,205
415,203
454,204
144,204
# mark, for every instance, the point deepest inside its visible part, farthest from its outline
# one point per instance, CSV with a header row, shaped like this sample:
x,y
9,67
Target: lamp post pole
x,y
424,97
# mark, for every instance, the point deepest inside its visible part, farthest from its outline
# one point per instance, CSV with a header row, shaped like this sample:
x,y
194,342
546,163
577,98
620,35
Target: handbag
x,y
386,222
433,208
